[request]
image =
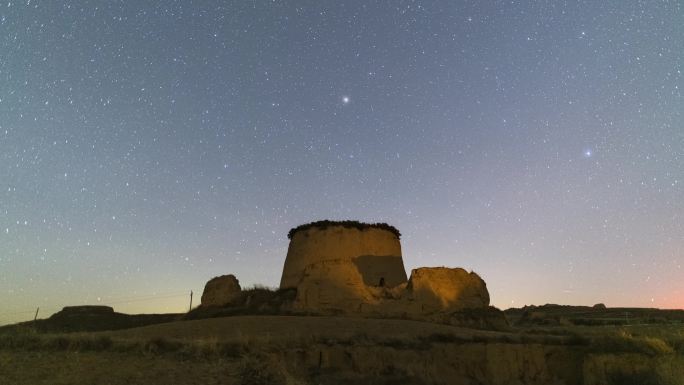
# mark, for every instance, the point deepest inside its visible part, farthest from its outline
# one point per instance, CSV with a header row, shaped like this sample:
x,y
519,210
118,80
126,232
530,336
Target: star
x,y
345,100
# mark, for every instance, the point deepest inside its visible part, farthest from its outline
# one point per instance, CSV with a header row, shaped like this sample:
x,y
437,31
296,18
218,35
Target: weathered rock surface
x,y
348,267
447,289
482,363
332,286
443,295
338,285
470,363
374,250
221,291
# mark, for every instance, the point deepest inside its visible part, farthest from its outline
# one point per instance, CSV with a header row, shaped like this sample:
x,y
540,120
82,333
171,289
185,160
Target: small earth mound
x,y
221,291
448,289
87,309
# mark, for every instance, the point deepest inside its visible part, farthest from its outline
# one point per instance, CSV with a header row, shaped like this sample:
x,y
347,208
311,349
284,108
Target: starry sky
x,y
147,146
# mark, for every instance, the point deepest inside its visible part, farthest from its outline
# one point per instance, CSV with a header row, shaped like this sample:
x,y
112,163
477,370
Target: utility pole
x,y
36,316
190,301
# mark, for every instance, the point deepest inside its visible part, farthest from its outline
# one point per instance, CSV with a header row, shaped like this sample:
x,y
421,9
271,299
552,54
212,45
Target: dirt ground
x,y
284,328
69,368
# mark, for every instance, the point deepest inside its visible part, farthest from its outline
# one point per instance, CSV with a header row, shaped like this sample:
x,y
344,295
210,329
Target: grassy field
x,y
110,367
598,315
270,328
250,349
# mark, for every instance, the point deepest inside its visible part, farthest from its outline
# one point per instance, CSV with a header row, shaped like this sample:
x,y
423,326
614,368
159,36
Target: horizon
x,y
145,148
182,306
181,302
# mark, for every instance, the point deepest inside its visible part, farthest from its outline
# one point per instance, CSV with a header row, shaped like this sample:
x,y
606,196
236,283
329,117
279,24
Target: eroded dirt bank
x,y
338,350
479,363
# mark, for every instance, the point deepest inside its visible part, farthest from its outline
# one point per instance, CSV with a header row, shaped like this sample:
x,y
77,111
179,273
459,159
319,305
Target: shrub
x,y
161,345
655,345
348,224
98,343
20,341
256,369
626,343
58,343
231,349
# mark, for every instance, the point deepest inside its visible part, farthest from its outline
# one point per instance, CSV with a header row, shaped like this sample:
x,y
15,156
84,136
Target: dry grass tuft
x,y
258,369
324,224
624,342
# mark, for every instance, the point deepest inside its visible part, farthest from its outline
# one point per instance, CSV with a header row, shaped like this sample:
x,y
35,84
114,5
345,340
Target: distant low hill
x,y
597,315
268,302
90,319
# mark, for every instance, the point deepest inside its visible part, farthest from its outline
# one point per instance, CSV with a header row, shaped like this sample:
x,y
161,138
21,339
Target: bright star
x,y
588,153
345,99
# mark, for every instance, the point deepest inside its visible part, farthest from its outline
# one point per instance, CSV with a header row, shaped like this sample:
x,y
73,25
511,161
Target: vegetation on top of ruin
x,y
322,225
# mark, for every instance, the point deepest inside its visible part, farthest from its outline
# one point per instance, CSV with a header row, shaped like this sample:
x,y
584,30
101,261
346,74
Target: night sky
x,y
148,146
